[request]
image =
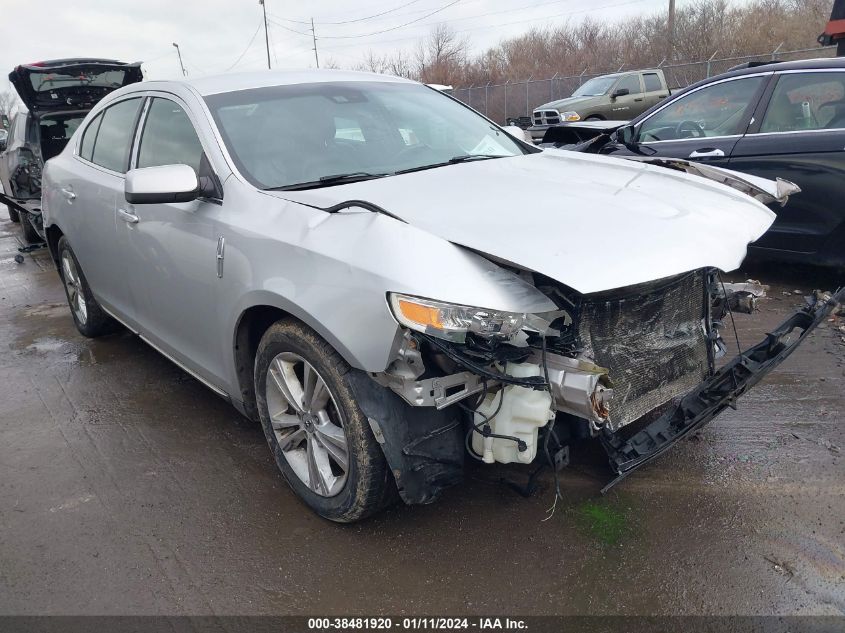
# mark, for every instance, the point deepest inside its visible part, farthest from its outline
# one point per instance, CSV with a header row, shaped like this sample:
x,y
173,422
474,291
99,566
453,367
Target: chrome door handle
x,y
707,153
126,216
68,193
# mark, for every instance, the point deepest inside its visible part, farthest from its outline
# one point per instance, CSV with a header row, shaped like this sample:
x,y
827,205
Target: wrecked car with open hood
x,y
57,94
392,284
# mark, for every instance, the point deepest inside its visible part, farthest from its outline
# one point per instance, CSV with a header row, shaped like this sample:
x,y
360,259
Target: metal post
x,y
670,27
708,63
527,111
314,39
266,36
581,77
506,100
552,87
486,97
775,52
181,65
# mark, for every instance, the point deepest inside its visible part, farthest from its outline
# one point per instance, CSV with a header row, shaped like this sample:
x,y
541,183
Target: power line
x,y
494,26
393,28
241,56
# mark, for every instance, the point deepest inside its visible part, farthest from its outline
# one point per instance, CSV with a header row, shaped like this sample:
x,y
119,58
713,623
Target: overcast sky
x,y
217,36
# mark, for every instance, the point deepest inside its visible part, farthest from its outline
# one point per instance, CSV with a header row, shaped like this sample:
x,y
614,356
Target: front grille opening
x,y
653,342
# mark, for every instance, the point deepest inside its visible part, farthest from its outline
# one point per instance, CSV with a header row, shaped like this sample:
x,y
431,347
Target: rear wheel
x,y
319,436
30,235
89,317
14,216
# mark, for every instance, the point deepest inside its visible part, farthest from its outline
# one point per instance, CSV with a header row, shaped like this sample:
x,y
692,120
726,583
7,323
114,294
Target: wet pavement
x,y
126,487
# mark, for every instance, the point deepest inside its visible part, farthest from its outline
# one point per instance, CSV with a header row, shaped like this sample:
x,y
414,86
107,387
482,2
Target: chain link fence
x,y
514,99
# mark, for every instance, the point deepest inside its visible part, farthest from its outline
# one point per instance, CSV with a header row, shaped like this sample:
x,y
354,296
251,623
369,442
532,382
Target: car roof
x,y
263,79
779,66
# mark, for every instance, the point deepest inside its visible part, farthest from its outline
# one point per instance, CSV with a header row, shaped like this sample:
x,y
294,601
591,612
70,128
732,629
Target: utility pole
x,y
314,39
266,36
670,24
181,65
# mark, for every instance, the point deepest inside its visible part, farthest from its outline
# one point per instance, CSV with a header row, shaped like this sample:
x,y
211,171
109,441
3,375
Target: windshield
x,y
284,135
595,87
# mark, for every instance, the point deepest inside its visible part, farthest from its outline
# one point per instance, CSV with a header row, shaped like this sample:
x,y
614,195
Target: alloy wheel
x,y
307,424
72,281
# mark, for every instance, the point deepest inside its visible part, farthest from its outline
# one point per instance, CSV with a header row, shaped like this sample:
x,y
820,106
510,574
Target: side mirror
x,y
627,135
621,92
159,185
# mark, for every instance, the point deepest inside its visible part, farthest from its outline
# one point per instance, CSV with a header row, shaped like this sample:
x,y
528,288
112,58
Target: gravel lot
x,y
126,487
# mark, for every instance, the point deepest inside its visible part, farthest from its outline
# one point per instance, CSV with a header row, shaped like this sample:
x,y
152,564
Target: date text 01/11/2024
x,y
416,624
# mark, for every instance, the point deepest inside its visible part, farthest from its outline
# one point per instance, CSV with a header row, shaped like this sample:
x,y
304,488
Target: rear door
x,y
655,90
799,135
703,124
89,195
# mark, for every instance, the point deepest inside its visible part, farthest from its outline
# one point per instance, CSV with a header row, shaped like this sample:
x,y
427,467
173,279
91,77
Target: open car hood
x,y
71,83
591,222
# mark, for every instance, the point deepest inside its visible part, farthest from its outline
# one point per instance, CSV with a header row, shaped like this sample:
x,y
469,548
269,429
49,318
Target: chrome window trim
x,y
794,71
715,83
681,140
816,131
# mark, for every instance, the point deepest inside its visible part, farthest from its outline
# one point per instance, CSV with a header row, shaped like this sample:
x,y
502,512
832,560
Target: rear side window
x,y
169,137
652,82
86,148
111,149
806,101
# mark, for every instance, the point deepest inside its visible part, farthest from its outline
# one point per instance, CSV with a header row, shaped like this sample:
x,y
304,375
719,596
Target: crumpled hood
x,y
593,223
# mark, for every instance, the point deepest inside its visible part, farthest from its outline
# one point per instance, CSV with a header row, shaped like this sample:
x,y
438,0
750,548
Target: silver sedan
x,y
391,282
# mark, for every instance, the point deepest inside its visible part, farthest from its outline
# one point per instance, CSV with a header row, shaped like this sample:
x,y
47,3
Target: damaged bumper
x,y
718,392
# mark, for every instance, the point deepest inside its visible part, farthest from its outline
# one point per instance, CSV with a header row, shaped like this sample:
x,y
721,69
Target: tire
x,y
14,216
30,235
594,117
308,440
89,317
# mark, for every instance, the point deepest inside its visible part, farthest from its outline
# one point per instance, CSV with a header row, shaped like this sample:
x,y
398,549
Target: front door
x,y
800,136
171,250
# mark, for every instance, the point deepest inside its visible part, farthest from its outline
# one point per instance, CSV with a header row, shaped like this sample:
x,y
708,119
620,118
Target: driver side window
x,y
717,110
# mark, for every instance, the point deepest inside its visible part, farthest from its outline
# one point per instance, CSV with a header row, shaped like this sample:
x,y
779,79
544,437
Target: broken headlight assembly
x,y
452,322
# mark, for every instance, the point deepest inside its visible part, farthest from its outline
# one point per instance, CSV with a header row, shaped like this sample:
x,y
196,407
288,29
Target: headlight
x,y
570,116
451,321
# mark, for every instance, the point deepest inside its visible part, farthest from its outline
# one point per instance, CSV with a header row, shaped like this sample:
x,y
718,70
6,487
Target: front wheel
x,y
322,442
89,317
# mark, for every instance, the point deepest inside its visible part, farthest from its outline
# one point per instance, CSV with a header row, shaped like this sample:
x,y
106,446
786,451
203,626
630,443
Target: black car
x,y
58,95
779,120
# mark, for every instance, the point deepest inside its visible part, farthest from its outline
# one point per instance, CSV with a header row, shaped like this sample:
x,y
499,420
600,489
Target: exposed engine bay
x,y
600,365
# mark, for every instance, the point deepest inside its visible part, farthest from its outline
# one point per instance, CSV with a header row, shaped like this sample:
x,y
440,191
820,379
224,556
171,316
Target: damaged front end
x,y
497,385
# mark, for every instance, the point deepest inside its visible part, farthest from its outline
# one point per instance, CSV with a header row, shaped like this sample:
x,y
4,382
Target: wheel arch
x,y
251,323
54,234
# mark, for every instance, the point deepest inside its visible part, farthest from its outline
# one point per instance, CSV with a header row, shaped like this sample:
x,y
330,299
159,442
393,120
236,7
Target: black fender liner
x,y
715,394
424,447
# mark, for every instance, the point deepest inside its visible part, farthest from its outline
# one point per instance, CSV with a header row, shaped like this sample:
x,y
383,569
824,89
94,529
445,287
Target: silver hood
x,y
591,222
